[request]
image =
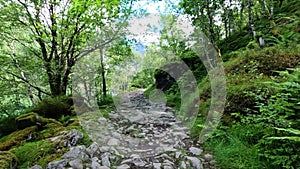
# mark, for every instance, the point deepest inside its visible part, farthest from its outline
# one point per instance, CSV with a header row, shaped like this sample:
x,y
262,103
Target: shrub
x,y
7,125
105,100
54,107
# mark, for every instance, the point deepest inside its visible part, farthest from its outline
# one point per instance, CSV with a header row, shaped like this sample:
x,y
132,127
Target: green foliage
x,y
234,42
105,100
7,125
266,61
292,138
234,147
262,109
143,79
253,45
54,107
278,115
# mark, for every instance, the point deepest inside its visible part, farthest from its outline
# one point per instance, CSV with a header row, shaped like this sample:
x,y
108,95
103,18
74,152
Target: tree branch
x,y
27,82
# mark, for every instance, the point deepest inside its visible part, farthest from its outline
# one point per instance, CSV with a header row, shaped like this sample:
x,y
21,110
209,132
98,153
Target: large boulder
x,y
18,138
31,119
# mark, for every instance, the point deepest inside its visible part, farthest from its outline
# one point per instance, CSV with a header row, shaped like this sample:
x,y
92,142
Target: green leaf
x,y
293,138
290,130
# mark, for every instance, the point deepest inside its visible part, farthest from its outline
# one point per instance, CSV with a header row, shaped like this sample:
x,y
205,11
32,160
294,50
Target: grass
x,y
233,149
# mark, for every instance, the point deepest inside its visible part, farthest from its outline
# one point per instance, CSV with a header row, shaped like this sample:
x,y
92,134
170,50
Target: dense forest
x,y
228,69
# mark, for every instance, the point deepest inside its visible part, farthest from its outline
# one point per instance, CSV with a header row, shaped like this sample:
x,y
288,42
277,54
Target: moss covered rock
x,y
17,138
7,160
33,153
26,120
31,119
51,130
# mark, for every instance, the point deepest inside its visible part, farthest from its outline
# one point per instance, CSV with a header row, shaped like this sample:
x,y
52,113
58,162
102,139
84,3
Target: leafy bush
x,y
108,99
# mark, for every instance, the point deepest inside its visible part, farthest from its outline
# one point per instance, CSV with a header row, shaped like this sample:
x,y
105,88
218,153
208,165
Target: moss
x,y
26,120
17,138
31,152
51,157
31,119
51,130
265,61
47,121
7,160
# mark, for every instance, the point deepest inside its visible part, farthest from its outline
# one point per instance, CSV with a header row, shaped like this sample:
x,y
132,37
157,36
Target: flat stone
x,y
183,165
92,149
123,166
104,149
76,152
156,165
57,164
36,167
76,164
195,151
196,163
178,154
102,120
105,160
113,142
208,157
113,116
95,164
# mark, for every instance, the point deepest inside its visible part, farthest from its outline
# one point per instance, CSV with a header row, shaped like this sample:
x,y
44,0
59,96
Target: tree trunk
x,y
251,21
104,90
211,23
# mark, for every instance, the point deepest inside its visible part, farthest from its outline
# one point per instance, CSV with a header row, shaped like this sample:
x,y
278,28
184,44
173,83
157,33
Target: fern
x,y
290,130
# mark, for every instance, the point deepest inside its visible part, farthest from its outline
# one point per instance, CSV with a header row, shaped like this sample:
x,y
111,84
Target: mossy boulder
x,y
17,138
31,119
26,120
32,153
8,160
51,130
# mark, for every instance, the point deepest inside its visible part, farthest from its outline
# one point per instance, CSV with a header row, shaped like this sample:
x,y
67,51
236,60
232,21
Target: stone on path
x,y
195,151
139,134
196,163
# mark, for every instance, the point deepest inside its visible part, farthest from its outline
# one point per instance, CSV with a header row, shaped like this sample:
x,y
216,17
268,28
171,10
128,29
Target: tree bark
x,y
251,21
104,90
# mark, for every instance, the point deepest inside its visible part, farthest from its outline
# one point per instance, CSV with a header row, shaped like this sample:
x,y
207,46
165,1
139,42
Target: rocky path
x,y
140,134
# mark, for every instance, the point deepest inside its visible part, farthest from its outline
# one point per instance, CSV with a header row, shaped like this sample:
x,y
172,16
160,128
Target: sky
x,y
139,27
